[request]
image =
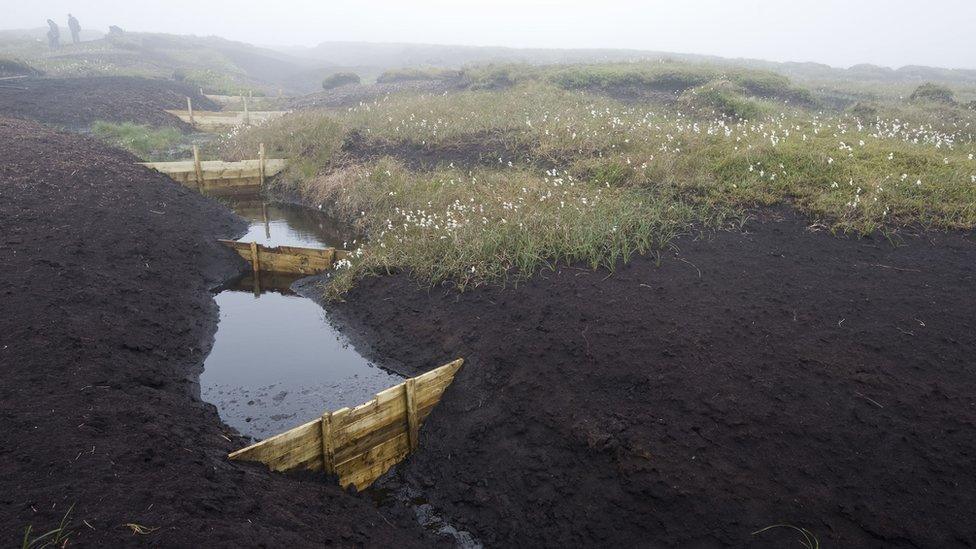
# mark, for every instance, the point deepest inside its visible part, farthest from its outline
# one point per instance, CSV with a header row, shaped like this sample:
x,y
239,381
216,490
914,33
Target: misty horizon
x,y
890,34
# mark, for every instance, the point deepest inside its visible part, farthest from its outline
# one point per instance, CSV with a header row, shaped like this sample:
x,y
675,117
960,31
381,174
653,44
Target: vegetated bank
x,y
106,277
531,175
642,378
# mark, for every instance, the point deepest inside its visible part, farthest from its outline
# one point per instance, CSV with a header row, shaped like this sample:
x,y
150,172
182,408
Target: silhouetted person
x,y
75,28
53,35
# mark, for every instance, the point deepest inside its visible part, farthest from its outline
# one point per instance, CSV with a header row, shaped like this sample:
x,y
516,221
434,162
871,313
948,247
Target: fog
x,y
836,32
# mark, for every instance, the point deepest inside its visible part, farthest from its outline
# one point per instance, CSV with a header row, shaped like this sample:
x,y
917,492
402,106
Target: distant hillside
x,y
393,55
212,63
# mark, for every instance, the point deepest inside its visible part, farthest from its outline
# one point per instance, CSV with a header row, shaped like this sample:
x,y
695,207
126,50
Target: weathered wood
x,y
359,444
214,121
366,467
328,444
413,417
287,450
189,109
285,259
216,176
261,162
197,168
255,260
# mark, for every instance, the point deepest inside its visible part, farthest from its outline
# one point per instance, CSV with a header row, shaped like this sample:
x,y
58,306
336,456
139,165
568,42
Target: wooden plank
x,y
362,470
284,448
350,447
368,476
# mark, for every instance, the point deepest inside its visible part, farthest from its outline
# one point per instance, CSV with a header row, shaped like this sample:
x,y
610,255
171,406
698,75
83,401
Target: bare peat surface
x,y
775,376
76,103
105,276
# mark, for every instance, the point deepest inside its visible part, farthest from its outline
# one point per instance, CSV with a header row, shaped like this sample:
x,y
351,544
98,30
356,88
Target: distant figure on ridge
x,y
75,28
53,35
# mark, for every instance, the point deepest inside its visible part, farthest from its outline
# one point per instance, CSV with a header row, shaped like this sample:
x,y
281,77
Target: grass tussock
x,y
145,142
627,177
469,226
338,79
56,537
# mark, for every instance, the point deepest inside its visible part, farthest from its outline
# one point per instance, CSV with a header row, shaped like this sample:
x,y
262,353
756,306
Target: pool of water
x,y
277,362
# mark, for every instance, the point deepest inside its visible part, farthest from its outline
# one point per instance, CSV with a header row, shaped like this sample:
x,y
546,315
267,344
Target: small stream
x,y
276,361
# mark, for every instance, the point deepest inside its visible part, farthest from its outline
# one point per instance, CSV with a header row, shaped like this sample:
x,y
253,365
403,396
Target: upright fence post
x,y
254,257
197,167
413,418
189,109
328,444
247,115
261,163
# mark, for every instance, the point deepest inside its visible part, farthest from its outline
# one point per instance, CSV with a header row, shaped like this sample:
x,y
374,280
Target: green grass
x,y
58,537
145,142
630,177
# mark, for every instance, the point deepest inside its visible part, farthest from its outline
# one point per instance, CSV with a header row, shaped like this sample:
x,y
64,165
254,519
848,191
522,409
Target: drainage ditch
x,y
276,360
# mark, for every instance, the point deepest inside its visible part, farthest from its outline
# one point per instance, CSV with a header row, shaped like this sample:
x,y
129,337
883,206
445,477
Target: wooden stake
x,y
261,162
254,257
413,418
189,108
197,167
247,116
328,444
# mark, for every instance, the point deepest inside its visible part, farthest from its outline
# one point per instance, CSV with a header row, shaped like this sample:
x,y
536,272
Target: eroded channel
x,y
277,361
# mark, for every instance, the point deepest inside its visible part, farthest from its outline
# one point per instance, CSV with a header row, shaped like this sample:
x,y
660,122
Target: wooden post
x,y
413,418
267,226
189,108
261,163
247,115
197,167
254,257
328,444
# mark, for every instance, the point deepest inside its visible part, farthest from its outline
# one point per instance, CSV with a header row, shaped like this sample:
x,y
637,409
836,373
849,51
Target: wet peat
x,y
105,276
775,376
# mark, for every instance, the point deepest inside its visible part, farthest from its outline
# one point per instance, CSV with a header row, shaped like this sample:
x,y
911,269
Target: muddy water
x,y
276,361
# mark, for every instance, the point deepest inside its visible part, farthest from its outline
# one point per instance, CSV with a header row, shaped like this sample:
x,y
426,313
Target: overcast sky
x,y
837,32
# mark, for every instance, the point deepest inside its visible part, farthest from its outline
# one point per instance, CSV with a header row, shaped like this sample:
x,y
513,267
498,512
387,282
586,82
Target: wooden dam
x,y
357,445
